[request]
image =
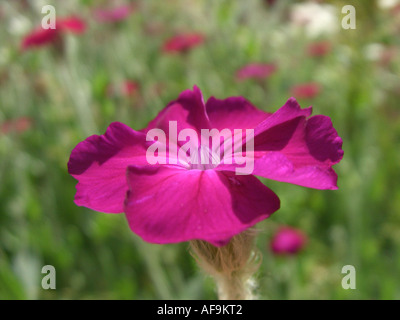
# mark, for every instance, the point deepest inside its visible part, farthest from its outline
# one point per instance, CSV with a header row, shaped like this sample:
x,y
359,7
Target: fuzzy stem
x,y
231,266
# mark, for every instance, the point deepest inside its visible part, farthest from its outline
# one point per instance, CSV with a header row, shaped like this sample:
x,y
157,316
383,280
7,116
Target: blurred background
x,y
124,61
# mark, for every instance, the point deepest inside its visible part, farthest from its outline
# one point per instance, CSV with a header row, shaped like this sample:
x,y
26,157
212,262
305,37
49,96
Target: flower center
x,y
204,159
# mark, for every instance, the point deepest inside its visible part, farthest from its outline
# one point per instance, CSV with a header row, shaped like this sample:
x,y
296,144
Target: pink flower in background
x,y
18,125
181,200
114,14
382,54
388,55
183,42
129,88
258,71
41,37
395,10
288,241
72,24
306,90
319,49
126,88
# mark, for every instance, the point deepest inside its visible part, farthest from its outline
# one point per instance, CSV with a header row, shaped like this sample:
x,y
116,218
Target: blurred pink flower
x,y
395,10
41,37
72,24
124,89
129,88
319,49
387,55
306,90
183,42
17,125
113,14
183,200
257,71
288,241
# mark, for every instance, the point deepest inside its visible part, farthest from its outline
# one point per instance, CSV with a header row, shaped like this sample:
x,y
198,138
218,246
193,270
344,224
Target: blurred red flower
x,y
183,42
41,37
17,125
288,241
129,87
113,14
306,90
258,71
319,48
124,89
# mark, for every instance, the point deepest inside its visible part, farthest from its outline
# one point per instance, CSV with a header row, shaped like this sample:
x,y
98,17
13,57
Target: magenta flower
x,y
180,199
114,14
41,37
183,42
257,71
306,90
288,241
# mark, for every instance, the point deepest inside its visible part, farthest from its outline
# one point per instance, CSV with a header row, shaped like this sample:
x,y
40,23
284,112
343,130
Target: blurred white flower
x,y
374,51
19,25
387,4
317,19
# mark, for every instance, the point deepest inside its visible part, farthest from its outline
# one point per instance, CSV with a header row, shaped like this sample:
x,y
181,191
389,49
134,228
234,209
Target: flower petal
x,y
183,42
170,204
39,37
188,110
277,166
323,141
307,158
234,113
290,148
72,24
99,163
289,111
